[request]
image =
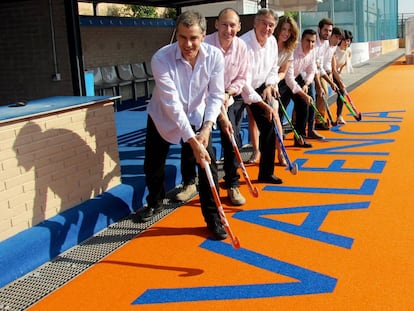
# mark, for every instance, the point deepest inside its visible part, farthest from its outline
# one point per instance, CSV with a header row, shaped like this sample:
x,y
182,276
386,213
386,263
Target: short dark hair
x,y
267,12
338,31
308,32
191,18
324,21
348,35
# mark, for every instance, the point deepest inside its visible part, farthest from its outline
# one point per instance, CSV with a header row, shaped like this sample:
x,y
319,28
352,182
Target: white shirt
x,y
301,64
341,56
327,62
320,49
284,56
263,67
183,96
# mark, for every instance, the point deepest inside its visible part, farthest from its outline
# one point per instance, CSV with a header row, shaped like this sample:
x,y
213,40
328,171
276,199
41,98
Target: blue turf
x,y
33,247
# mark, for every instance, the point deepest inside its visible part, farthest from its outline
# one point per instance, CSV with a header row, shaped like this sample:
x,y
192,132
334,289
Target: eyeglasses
x,y
266,24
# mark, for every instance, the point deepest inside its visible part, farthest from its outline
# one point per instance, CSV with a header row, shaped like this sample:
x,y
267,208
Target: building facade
x,y
368,20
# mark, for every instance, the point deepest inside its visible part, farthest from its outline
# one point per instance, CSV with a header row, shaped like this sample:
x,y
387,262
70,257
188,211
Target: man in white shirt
x,y
261,86
236,63
325,27
185,104
342,59
328,58
299,77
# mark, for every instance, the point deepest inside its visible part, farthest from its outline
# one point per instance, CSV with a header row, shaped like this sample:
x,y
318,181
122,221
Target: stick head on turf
x,y
294,169
254,192
235,242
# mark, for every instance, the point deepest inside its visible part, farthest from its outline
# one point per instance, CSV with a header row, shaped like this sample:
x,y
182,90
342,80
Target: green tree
x,y
294,14
114,11
170,13
134,10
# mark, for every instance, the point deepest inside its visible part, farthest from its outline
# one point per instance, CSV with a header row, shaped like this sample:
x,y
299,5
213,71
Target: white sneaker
x,y
340,120
186,193
254,157
235,196
282,160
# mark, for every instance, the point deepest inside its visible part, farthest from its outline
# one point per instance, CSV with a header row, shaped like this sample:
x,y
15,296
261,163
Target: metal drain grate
x,y
26,291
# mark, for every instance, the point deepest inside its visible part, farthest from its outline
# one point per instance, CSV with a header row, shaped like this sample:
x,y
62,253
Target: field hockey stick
x,y
293,168
348,106
352,105
329,111
317,113
298,137
234,240
253,190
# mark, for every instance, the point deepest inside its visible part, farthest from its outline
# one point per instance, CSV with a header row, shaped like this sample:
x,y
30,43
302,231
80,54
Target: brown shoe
x,y
235,196
186,193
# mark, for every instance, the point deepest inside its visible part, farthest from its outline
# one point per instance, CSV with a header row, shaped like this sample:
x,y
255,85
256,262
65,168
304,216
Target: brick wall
x,y
112,44
103,46
26,54
52,163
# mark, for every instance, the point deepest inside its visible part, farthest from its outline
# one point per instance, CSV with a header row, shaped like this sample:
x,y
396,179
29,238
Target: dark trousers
x,y
188,164
302,110
267,139
285,96
311,111
230,165
235,113
304,113
156,151
339,103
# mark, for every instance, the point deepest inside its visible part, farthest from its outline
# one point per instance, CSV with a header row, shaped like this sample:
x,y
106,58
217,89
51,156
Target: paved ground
x,y
362,72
